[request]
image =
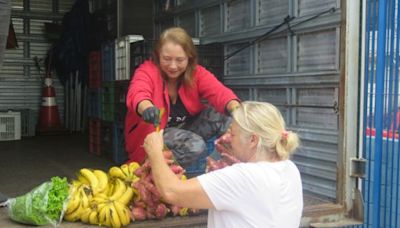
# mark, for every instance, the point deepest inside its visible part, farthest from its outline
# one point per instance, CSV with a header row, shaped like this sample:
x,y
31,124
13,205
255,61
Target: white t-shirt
x,y
262,194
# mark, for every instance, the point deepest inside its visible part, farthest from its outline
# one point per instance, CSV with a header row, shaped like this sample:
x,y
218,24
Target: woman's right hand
x,y
152,115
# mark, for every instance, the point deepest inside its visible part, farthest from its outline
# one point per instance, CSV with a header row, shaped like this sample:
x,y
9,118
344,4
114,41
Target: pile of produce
x,y
42,205
126,193
149,204
102,199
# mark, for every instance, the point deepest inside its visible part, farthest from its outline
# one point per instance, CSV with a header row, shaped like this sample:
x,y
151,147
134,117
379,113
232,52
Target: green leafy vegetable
x,y
42,205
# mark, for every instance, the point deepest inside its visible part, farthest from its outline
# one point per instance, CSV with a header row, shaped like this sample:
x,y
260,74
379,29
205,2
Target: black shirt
x,y
178,114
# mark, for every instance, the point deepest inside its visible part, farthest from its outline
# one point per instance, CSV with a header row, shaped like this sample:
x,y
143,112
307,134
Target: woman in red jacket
x,y
173,82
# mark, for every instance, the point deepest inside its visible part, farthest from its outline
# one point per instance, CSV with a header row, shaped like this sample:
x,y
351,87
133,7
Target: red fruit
x,y
161,211
168,154
138,213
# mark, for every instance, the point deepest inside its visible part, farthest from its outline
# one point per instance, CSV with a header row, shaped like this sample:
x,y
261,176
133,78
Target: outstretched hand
x,y
152,115
154,143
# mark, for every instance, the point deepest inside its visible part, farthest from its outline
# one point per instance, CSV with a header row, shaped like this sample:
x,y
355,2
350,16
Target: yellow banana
x,y
133,166
93,218
123,213
84,198
102,215
89,175
111,187
73,204
119,189
183,211
102,178
74,215
99,198
125,169
85,215
100,206
115,221
126,197
117,172
107,220
82,180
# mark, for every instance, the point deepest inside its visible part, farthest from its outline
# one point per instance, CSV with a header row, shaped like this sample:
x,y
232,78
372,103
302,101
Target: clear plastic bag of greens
x,y
45,204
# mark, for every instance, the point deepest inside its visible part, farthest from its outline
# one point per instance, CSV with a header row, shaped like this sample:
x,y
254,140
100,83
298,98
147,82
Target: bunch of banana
x,y
96,179
113,214
99,200
111,207
126,172
80,196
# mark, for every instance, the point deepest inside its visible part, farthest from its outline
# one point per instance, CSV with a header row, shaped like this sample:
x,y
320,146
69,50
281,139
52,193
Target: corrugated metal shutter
x,y
65,6
237,15
272,56
271,11
188,22
21,80
41,5
238,64
311,6
317,51
210,21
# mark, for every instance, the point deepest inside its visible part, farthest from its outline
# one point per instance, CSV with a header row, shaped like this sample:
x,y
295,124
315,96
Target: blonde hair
x,y
265,120
178,36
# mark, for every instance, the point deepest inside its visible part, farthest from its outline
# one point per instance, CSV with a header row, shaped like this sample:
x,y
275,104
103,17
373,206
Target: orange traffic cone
x,y
49,117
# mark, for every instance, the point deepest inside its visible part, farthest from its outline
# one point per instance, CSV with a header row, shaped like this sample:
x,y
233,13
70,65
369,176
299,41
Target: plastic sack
x,y
45,204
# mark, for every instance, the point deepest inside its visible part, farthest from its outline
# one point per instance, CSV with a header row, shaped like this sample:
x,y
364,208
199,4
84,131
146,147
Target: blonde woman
x,y
173,81
264,190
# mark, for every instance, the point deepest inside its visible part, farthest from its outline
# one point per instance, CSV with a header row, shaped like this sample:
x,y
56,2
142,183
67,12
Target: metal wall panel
x,y
18,24
41,5
181,2
239,63
271,11
37,26
188,22
39,50
318,51
21,82
12,54
210,21
65,5
17,4
237,15
272,56
275,96
164,25
243,94
312,116
306,7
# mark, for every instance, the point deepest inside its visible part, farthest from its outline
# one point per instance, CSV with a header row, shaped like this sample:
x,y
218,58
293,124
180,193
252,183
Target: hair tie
x,y
285,134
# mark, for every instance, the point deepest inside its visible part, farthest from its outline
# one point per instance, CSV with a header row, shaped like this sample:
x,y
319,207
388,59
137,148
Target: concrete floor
x,y
26,163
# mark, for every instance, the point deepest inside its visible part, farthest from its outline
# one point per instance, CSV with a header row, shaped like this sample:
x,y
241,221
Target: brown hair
x,y
181,37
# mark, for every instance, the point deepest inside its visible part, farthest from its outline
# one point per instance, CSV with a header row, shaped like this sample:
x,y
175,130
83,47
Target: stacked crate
x,y
94,136
94,109
123,62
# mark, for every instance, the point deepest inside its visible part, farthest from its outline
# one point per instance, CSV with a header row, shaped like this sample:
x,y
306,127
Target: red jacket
x,y
147,84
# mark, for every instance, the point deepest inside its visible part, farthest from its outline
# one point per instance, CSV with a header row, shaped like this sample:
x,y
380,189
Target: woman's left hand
x,y
154,143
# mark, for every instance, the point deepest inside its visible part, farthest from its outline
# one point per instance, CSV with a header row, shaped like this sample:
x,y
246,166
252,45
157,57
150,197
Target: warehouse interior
x,y
283,52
